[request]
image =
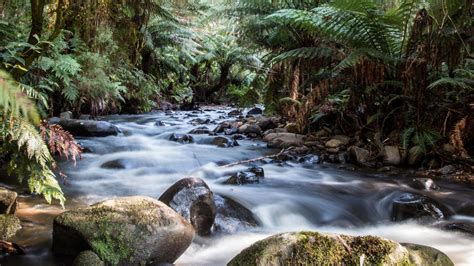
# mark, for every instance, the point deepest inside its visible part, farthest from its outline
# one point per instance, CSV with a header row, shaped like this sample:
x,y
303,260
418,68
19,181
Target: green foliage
x,y
30,156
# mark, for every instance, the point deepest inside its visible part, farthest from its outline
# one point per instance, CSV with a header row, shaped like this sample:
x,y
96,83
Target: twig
x,y
256,159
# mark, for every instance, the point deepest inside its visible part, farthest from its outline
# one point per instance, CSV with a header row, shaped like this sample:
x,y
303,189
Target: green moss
x,y
9,225
312,248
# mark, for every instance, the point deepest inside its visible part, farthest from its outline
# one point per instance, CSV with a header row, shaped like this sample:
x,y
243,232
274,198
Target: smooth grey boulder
x,y
192,198
126,231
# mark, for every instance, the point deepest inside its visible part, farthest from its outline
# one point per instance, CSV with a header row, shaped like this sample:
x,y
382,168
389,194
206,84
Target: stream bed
x,y
291,197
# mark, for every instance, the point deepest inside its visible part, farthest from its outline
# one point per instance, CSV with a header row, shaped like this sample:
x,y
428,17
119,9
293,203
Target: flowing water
x,y
292,196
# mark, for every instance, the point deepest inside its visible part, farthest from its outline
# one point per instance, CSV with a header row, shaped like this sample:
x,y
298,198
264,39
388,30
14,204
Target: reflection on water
x,y
142,161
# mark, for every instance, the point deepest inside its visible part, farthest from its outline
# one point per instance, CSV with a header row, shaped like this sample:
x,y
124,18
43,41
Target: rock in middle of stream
x,y
192,198
126,231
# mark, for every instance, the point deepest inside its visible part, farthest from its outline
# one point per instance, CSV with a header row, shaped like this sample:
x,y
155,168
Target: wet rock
x,y
257,171
65,115
309,159
87,258
88,128
232,216
266,123
201,121
463,227
222,127
238,137
391,155
9,225
231,131
312,248
424,184
202,131
114,164
235,113
181,138
127,231
250,129
251,176
160,123
8,202
224,142
255,111
192,198
414,206
359,155
284,140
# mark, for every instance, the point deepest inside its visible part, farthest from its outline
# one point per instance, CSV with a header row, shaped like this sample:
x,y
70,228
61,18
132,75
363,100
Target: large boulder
x,y
9,225
284,140
88,128
414,206
192,198
126,231
8,201
312,248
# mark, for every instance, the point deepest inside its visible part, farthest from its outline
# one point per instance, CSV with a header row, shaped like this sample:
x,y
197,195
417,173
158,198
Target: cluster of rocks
x,y
142,230
9,223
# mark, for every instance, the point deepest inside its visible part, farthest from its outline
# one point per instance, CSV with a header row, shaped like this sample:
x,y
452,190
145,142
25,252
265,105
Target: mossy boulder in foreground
x,y
125,231
312,248
9,225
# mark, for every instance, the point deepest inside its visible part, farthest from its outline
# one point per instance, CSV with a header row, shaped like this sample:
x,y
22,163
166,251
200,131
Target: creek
x,y
291,197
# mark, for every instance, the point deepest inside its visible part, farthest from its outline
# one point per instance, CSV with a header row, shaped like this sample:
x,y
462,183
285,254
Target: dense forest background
x,y
387,72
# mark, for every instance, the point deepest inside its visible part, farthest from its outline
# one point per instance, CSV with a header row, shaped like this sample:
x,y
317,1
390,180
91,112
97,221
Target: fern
x,y
14,102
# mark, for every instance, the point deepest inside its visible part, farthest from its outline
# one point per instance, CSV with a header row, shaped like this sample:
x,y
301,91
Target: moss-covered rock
x,y
9,225
87,258
8,201
129,230
312,248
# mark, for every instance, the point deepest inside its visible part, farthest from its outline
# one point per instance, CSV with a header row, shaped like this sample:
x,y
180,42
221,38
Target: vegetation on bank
x,y
394,72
